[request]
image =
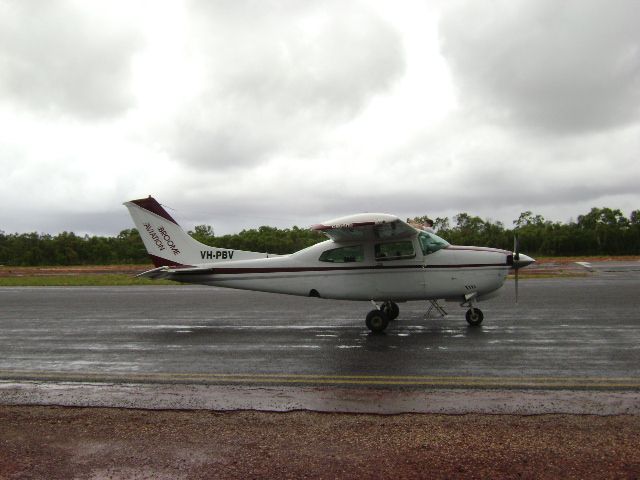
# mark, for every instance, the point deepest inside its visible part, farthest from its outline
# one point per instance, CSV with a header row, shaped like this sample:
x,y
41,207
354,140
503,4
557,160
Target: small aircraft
x,y
370,256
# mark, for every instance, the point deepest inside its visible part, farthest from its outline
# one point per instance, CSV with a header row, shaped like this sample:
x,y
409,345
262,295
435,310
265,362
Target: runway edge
x,y
320,399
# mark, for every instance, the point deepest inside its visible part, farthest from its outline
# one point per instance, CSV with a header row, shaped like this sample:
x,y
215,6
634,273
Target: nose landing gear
x,y
474,316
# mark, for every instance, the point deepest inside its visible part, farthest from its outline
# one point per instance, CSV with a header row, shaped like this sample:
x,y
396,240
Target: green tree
x,y
527,219
203,234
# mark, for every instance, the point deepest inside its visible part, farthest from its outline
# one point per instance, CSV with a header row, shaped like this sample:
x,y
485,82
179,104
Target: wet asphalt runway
x,y
576,333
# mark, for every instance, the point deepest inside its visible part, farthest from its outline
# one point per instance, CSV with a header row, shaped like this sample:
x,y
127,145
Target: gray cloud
x,y
566,67
219,146
286,112
56,57
279,75
108,223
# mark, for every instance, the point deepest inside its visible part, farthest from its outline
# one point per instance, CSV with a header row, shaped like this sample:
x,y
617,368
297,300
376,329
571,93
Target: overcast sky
x,y
241,113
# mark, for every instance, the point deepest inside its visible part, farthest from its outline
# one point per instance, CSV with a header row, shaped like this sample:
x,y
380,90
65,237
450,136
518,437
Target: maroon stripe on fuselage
x,y
469,265
152,205
240,271
478,249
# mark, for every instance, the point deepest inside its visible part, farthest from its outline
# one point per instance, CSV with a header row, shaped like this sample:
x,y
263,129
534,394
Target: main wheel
x,y
391,309
474,317
377,321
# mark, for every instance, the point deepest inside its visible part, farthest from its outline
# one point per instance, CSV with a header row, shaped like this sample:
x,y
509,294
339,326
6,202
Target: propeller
x,y
516,259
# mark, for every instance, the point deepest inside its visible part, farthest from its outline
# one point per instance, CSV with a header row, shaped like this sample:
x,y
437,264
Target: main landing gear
x,y
391,309
378,319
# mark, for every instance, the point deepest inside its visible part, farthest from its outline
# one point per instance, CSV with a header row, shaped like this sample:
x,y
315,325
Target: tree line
x,y
602,231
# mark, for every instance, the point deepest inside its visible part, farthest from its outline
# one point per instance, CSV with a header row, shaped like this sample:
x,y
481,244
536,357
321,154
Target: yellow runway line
x,y
631,383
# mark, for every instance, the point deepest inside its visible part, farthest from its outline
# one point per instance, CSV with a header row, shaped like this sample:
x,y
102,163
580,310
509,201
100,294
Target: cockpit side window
x,y
394,250
430,243
354,253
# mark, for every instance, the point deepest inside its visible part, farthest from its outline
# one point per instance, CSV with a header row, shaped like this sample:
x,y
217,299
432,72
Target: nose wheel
x,y
474,316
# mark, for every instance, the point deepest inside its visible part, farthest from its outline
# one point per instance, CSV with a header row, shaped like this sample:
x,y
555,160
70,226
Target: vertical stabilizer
x,y
169,245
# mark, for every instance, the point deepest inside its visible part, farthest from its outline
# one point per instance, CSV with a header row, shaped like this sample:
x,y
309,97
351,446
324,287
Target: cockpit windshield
x,y
430,242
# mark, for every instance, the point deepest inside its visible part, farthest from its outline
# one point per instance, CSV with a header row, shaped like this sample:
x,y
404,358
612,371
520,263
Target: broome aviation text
x,y
159,237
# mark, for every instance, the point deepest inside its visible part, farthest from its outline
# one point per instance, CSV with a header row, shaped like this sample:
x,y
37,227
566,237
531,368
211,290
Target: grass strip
x,y
82,280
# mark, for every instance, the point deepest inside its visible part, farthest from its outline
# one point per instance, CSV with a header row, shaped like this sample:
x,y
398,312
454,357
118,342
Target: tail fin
x,y
169,245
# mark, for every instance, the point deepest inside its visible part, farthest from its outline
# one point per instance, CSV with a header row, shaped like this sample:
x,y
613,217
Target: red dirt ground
x,y
104,443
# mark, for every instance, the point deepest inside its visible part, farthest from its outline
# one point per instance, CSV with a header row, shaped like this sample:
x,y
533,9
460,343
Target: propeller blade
x,y
516,259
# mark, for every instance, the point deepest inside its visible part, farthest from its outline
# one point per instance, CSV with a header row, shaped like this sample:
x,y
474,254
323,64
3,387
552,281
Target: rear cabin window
x,y
354,253
394,250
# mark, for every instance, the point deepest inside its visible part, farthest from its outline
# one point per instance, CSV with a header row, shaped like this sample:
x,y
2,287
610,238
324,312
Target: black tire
x,y
474,317
377,321
391,309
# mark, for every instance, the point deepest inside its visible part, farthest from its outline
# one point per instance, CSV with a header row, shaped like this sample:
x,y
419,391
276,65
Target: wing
x,y
365,226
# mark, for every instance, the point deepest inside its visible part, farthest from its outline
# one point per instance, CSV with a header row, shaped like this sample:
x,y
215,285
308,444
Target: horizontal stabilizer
x,y
156,273
170,273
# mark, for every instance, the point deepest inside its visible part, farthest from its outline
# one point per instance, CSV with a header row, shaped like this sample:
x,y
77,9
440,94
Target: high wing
x,y
365,226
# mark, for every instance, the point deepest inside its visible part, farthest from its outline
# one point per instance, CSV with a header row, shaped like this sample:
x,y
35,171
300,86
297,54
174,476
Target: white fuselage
x,y
454,272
